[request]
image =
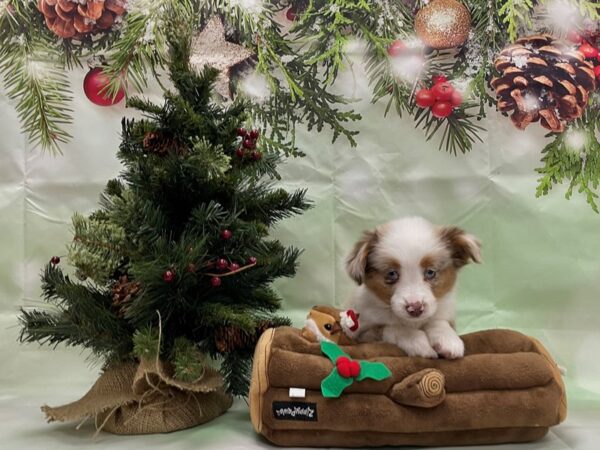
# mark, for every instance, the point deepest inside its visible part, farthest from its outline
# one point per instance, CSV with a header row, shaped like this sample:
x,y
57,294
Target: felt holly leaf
x,y
334,384
332,351
373,370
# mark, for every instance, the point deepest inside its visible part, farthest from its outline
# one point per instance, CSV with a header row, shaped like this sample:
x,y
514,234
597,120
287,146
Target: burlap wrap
x,y
145,398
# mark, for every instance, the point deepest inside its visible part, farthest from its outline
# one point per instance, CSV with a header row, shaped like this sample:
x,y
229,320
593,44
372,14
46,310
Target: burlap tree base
x,y
144,399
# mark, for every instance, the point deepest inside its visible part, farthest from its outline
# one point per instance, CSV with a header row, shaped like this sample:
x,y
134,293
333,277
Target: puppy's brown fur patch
x,y
463,247
377,268
446,274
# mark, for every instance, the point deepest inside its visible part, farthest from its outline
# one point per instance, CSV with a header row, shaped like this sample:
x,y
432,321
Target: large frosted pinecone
x,y
75,18
542,79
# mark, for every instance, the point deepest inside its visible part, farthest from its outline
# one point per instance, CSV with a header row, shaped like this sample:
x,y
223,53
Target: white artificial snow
x,y
249,6
532,103
408,67
520,61
575,140
562,15
256,87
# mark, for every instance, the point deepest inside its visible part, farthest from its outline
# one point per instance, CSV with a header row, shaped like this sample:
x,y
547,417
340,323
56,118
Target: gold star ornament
x,y
209,48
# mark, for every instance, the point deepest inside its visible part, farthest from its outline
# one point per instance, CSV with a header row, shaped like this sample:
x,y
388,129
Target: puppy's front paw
x,y
450,347
422,349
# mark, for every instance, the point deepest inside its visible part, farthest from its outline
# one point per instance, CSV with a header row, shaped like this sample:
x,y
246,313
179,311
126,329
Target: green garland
x,y
300,66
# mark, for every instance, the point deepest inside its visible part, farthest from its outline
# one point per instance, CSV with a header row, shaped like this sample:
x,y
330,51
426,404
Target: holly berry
x,y
597,72
168,276
254,134
574,37
249,143
424,98
234,266
290,14
441,109
588,50
456,99
256,155
226,234
221,264
55,260
396,48
437,79
252,260
347,368
215,281
442,91
241,132
240,153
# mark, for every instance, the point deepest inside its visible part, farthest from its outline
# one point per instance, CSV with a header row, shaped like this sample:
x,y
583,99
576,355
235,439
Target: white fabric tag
x,y
297,392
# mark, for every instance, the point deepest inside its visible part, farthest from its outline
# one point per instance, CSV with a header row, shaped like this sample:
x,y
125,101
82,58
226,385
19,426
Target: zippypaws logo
x,y
305,412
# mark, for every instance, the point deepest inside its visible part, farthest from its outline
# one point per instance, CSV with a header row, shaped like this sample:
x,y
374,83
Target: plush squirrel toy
x,y
325,323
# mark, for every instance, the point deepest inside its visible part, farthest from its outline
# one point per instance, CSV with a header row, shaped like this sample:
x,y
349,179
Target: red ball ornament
x,y
597,72
424,98
215,281
396,48
169,276
55,260
252,260
574,37
588,50
436,79
94,86
441,109
226,234
234,266
456,99
221,264
290,14
442,91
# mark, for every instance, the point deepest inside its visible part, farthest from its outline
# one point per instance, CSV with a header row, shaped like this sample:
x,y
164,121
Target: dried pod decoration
x,y
542,79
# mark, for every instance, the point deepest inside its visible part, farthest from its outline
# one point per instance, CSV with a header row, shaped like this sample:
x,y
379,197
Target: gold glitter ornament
x,y
443,24
209,48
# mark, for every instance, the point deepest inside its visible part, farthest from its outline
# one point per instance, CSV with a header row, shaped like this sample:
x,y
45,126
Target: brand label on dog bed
x,y
306,412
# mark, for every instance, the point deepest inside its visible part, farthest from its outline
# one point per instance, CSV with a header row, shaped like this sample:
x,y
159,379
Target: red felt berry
x,y
441,109
574,37
597,72
254,134
343,366
456,99
396,48
252,260
55,260
354,367
442,91
221,264
241,132
240,152
437,79
588,50
290,14
226,234
215,281
424,98
234,266
249,143
168,276
256,155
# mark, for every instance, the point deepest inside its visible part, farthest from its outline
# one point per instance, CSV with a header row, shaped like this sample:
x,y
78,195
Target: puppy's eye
x,y
328,327
430,274
392,276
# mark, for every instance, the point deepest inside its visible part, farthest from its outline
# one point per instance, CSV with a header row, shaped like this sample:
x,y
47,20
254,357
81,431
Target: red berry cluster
x,y
587,49
442,98
247,148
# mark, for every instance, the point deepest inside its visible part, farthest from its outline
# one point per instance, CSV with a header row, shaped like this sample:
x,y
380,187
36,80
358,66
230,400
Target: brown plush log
x,y
506,389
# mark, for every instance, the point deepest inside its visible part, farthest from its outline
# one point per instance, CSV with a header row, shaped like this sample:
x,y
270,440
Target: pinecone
x,y
156,142
543,79
75,18
228,338
123,293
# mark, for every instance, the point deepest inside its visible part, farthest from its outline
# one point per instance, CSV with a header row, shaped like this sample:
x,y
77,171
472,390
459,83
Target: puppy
x,y
406,271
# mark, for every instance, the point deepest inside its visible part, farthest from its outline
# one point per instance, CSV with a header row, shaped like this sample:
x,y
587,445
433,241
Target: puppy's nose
x,y
415,309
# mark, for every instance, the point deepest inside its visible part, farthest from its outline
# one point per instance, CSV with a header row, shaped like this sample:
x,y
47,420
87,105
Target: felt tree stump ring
x,y
424,389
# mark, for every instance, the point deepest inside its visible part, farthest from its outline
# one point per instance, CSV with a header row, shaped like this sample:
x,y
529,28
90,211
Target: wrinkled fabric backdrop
x,y
541,271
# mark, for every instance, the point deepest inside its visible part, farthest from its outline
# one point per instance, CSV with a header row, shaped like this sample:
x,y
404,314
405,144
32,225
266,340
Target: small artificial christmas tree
x,y
176,264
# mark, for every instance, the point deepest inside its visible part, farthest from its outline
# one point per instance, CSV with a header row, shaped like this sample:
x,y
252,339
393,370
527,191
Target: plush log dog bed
x,y
507,388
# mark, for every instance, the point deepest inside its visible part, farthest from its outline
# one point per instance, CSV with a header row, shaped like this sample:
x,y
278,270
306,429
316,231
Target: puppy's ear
x,y
356,263
463,247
